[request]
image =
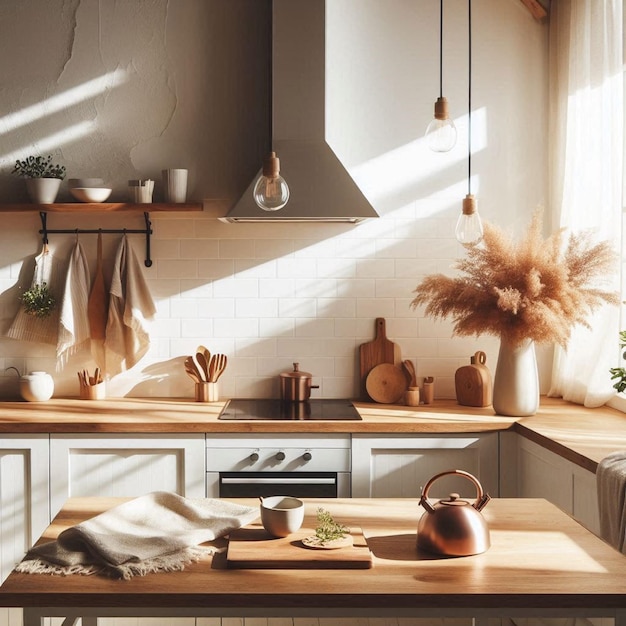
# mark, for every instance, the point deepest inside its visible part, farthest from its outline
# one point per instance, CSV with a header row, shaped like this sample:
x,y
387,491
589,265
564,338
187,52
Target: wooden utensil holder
x,y
93,392
207,392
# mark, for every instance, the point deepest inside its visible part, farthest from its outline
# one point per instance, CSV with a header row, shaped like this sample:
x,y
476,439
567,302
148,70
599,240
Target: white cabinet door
x,y
393,466
125,466
24,510
531,471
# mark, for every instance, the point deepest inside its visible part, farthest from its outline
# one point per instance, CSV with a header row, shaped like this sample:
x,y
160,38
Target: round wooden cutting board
x,y
386,384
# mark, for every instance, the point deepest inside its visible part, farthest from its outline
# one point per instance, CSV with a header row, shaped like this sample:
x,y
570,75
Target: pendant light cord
x,y
270,72
469,97
441,48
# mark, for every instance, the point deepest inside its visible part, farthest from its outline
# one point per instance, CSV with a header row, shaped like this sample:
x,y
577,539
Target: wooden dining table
x,y
541,563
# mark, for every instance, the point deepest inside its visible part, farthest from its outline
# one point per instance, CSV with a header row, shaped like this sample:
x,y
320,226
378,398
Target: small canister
x,y
296,386
412,396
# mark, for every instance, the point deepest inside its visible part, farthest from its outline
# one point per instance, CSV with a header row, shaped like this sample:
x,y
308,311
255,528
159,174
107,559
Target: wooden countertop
x,y
124,415
539,558
584,436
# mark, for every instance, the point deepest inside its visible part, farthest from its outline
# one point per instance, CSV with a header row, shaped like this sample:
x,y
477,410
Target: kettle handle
x,y
481,497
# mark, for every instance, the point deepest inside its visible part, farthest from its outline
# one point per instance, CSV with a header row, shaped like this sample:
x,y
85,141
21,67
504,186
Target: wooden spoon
x,y
206,352
199,369
212,366
192,369
409,370
203,363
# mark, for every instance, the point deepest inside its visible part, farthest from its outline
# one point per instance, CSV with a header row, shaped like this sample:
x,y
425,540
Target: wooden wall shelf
x,y
101,207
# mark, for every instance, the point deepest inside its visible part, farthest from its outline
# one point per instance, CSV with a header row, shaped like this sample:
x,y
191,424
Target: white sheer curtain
x,y
587,134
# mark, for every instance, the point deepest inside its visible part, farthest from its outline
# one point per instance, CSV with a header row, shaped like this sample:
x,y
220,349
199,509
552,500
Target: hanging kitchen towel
x,y
158,532
35,326
97,311
611,483
73,320
130,306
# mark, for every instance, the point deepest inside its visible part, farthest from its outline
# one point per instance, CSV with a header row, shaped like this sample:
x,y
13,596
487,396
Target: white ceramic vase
x,y
516,381
43,190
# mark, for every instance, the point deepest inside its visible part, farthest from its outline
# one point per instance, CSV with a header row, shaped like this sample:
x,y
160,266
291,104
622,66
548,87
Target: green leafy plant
x,y
619,373
39,167
327,528
38,301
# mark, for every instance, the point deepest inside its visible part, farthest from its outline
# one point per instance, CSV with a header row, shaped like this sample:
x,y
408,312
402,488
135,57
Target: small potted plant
x,y
43,178
618,374
38,301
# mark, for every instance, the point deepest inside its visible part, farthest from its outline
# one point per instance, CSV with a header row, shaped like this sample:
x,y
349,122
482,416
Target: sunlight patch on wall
x,y
409,165
52,142
64,100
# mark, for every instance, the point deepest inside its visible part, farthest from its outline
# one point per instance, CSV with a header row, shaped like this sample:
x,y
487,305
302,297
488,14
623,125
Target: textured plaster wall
x,y
123,89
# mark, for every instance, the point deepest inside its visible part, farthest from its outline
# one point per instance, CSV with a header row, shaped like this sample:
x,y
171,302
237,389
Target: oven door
x,y
263,484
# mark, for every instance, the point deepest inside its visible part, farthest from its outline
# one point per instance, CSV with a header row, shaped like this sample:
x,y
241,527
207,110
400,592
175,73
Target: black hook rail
x,y
147,231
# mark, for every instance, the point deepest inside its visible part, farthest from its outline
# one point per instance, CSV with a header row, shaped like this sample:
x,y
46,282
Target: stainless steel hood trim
x,y
321,189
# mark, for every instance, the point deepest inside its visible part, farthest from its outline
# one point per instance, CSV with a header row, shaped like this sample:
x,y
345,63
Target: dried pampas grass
x,y
532,289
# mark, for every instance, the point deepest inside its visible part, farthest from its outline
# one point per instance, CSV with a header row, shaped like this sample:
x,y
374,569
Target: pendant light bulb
x,y
271,192
441,132
469,227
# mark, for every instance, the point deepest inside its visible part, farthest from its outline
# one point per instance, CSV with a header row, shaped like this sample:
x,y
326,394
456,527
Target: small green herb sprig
x,y
327,528
38,301
39,167
619,373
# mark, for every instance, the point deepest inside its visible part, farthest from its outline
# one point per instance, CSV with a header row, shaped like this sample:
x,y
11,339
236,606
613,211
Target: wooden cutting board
x,y
373,353
386,383
253,547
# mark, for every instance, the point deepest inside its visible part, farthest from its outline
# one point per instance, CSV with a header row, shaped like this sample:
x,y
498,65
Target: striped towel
x,y
611,482
130,306
73,320
26,327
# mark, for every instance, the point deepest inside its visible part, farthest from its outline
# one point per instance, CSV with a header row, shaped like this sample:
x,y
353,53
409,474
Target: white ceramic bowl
x,y
282,515
91,194
84,182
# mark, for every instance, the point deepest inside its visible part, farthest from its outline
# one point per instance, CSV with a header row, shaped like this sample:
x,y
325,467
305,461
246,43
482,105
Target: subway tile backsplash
x,y
267,296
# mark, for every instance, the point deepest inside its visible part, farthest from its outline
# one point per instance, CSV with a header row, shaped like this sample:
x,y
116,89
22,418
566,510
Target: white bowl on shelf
x,y
91,194
72,183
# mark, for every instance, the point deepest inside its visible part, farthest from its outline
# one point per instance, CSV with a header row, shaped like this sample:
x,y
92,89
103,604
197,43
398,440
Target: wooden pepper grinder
x,y
473,382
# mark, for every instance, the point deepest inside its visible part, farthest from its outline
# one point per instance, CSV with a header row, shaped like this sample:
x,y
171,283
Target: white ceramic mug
x,y
281,515
175,185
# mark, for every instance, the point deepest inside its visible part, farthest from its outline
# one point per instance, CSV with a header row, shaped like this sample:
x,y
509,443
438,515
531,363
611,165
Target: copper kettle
x,y
452,526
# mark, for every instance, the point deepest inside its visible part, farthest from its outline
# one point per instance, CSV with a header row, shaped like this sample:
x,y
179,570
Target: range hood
x,y
321,189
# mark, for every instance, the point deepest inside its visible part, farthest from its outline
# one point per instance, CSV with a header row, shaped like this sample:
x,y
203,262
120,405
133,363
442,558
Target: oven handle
x,y
272,481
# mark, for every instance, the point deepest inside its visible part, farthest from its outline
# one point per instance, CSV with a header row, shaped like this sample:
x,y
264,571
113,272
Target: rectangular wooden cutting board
x,y
253,547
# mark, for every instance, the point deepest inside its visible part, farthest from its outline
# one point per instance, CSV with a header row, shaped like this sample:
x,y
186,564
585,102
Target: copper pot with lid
x,y
295,386
452,526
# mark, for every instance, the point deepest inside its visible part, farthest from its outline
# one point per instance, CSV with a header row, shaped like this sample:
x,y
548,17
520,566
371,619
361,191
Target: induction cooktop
x,y
271,409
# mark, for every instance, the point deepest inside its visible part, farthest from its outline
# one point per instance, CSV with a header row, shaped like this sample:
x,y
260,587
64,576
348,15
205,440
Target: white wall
x,y
145,85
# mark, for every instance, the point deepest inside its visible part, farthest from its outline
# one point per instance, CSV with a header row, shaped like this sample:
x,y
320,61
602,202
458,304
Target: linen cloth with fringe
x,y
27,327
158,532
130,306
611,483
73,320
